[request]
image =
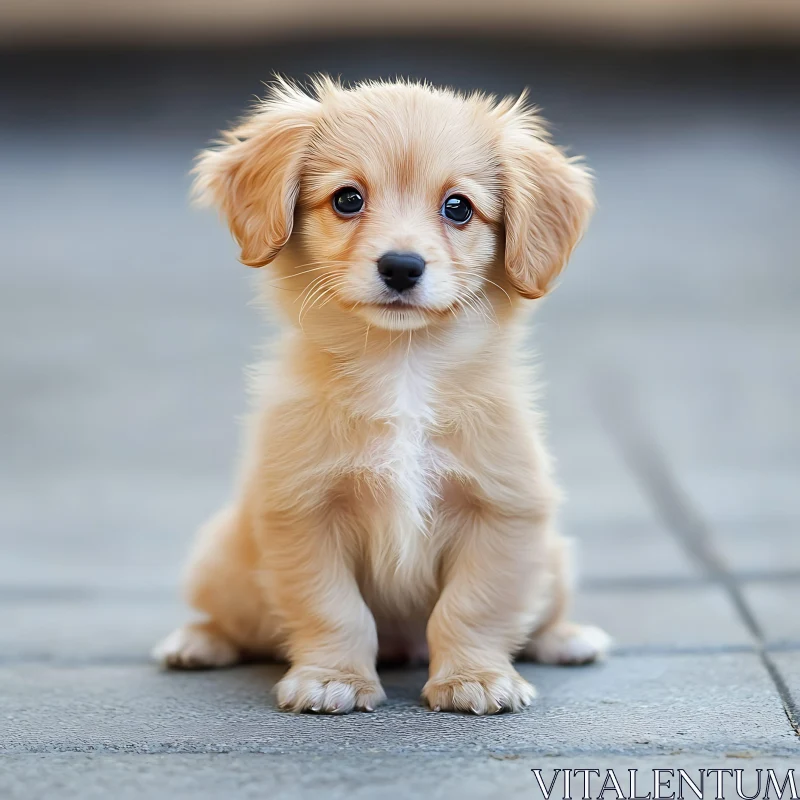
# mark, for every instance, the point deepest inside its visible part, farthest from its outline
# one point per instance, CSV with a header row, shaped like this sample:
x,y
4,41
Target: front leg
x,y
496,584
331,640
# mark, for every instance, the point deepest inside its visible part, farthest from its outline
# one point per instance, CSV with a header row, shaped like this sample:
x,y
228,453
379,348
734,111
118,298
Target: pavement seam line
x,y
43,595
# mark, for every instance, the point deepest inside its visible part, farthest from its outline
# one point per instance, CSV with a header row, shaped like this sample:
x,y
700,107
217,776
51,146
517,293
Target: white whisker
x,y
510,301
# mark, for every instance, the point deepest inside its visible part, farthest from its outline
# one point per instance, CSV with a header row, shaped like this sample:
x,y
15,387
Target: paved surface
x,y
672,360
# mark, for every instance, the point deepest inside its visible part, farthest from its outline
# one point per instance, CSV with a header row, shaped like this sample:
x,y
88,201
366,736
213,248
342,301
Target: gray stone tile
x,y
628,551
635,706
690,617
599,487
789,663
718,394
77,632
91,529
349,775
760,545
759,491
776,607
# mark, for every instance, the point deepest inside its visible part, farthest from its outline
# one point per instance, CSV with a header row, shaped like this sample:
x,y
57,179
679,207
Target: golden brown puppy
x,y
396,488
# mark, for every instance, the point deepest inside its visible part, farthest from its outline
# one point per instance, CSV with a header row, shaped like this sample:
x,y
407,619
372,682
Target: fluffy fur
x,y
396,500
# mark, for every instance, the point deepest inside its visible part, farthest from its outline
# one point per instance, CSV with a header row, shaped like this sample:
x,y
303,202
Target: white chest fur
x,y
405,463
408,444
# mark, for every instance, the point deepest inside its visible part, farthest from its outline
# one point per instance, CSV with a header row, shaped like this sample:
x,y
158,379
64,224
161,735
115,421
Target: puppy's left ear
x,y
548,200
253,176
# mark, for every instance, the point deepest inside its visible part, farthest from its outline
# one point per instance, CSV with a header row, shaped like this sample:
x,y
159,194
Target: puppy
x,y
396,500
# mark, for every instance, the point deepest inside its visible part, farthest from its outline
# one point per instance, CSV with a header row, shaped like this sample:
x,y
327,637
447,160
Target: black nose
x,y
400,271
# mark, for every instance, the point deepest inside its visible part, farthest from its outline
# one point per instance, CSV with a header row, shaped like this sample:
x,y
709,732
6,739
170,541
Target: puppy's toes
x,y
200,645
568,643
328,691
479,691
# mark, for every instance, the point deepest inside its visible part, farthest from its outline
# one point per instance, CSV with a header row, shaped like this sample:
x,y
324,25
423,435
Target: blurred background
x,y
671,352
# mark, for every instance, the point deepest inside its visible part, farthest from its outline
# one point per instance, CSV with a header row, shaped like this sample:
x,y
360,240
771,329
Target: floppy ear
x,y
253,176
548,200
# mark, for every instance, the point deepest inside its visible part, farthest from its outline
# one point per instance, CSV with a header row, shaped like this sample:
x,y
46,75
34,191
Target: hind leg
x,y
221,583
198,645
558,641
567,643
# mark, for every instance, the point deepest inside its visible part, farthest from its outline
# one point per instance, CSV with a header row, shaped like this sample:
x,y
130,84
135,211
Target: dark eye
x,y
458,209
348,201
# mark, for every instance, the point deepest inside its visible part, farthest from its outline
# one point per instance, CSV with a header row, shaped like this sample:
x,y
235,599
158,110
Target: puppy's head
x,y
403,203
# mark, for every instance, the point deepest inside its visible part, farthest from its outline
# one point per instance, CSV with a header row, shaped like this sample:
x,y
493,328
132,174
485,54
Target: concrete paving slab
x,y
758,490
114,630
605,552
352,776
92,530
761,546
598,485
776,607
720,398
636,706
665,620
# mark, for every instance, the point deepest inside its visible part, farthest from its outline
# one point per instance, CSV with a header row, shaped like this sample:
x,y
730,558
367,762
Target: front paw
x,y
328,691
478,691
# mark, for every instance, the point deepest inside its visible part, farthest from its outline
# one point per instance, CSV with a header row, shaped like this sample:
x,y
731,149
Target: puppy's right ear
x,y
253,176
